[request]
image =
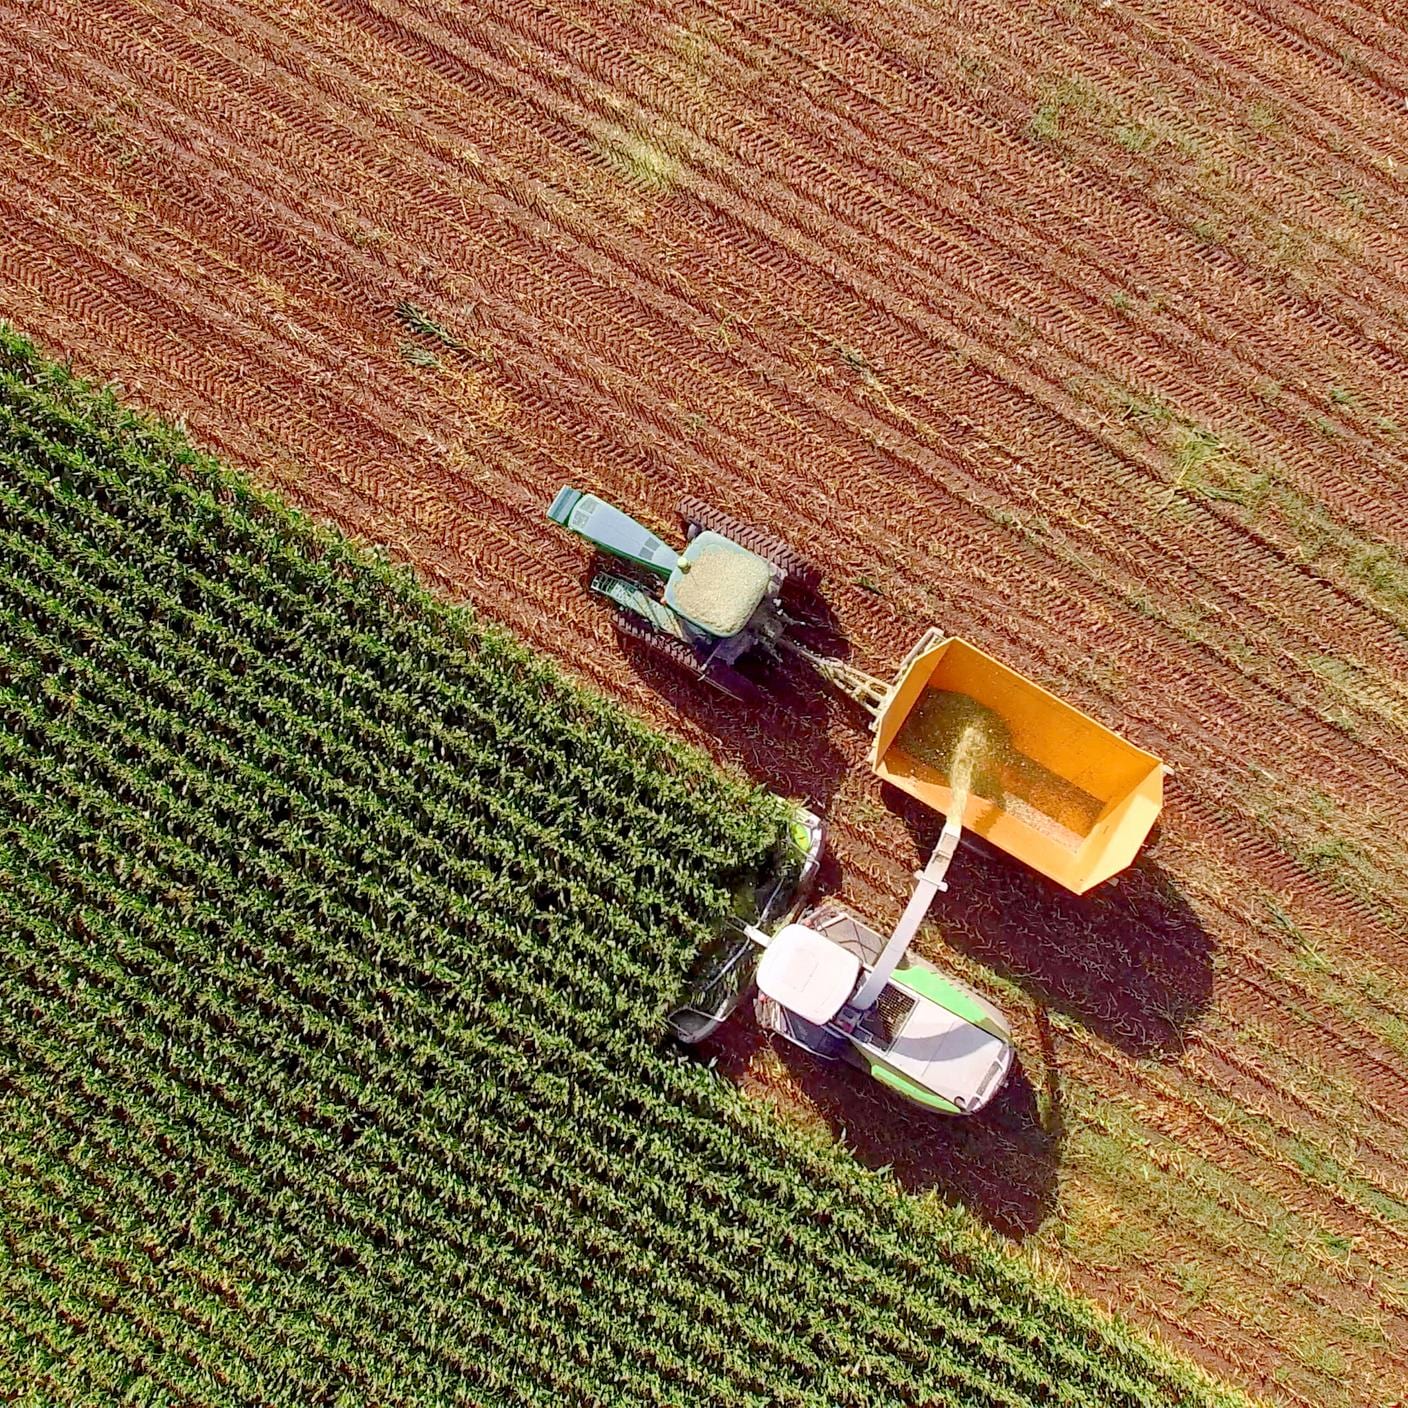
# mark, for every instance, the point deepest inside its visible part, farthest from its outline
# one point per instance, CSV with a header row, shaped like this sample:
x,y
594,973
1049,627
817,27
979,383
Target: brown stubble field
x,y
1076,329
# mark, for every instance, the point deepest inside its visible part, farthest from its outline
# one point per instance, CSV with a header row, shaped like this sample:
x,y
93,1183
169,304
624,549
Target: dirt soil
x,y
1077,329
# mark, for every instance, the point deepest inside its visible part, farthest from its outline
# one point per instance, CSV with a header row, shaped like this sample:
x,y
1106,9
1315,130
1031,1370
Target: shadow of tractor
x,y
783,741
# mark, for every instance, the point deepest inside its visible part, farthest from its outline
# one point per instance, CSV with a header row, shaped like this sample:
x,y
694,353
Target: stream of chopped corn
x,y
970,746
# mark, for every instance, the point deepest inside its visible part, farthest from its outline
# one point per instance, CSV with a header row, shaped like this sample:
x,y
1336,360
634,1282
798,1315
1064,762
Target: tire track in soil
x,y
1018,150
1012,172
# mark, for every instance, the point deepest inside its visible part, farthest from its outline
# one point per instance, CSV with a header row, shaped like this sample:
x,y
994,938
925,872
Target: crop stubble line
x,y
1185,1116
461,57
1295,1114
981,192
1143,41
1233,1331
1380,1164
1019,154
1142,47
1303,28
1381,1077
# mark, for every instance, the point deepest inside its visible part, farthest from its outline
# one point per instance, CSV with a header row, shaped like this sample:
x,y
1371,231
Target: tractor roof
x,y
717,585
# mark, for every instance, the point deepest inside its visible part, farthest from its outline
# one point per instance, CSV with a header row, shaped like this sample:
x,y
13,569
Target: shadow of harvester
x,y
999,1163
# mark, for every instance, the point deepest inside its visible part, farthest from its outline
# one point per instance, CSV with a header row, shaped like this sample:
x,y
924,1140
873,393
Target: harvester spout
x,y
930,882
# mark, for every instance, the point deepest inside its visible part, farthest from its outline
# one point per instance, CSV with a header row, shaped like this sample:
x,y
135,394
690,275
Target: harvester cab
x,y
706,607
924,1034
964,734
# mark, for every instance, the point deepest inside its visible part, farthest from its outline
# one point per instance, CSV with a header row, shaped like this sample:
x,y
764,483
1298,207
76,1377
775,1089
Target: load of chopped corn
x,y
717,587
970,746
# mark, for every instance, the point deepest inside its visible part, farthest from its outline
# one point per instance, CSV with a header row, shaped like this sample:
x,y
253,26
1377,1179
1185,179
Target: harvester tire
x,y
801,575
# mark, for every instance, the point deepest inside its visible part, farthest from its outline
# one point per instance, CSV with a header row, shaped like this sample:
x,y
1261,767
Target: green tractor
x,y
704,609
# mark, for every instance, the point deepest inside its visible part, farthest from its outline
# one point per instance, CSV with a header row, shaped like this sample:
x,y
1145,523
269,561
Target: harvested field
x,y
1076,329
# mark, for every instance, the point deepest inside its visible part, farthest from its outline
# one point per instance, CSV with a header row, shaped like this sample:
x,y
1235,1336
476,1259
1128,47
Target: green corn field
x,y
336,935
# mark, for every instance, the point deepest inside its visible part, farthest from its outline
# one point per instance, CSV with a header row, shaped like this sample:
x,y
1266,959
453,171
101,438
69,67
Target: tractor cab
x,y
705,607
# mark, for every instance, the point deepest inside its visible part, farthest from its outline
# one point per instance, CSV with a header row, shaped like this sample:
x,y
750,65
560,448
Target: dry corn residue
x,y
717,586
970,747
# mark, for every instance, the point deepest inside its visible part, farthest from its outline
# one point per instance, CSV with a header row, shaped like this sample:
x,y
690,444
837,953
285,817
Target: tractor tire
x,y
670,649
724,678
802,575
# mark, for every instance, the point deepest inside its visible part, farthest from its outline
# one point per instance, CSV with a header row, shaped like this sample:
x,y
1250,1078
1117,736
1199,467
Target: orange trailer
x,y
1057,790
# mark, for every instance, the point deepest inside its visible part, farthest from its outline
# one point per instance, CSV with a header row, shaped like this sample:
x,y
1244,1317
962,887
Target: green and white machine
x,y
705,607
823,984
830,984
833,986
